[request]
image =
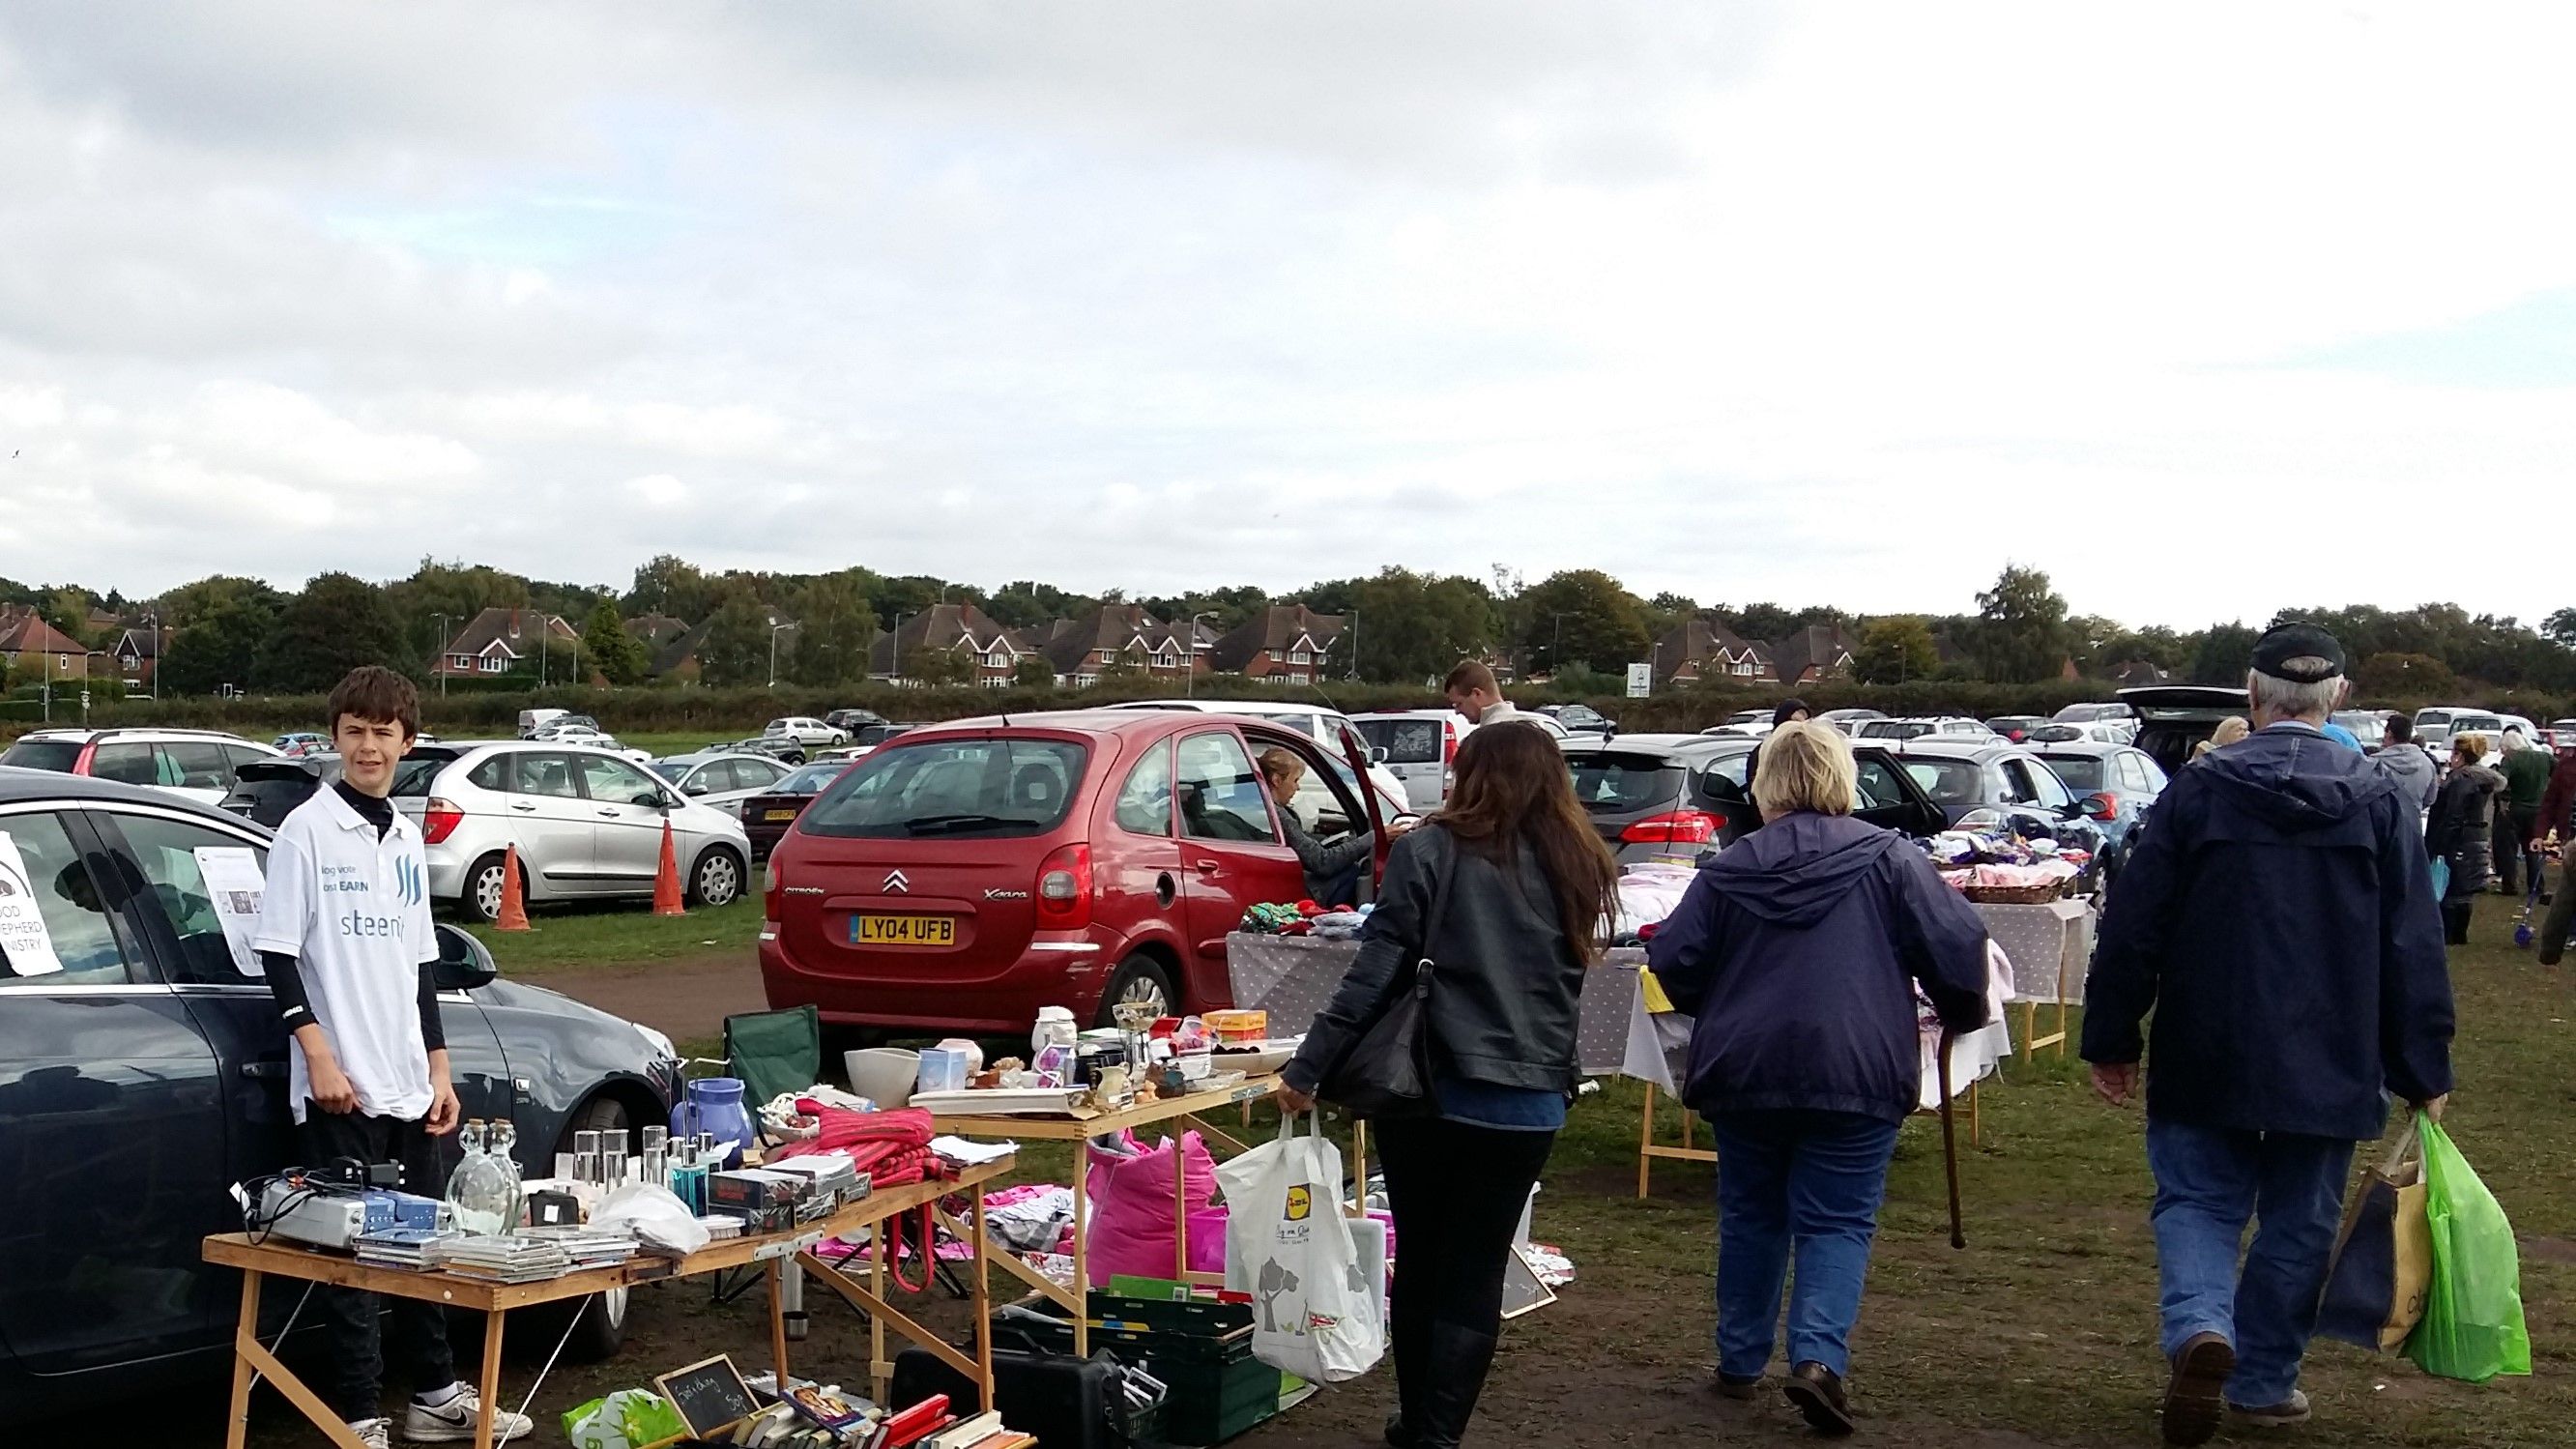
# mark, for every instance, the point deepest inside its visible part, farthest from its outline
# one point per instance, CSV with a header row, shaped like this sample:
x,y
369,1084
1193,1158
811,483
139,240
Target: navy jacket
x,y
2278,916
1797,948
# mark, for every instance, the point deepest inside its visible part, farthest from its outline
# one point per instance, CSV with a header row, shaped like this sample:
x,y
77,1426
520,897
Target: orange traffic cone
x,y
666,881
514,906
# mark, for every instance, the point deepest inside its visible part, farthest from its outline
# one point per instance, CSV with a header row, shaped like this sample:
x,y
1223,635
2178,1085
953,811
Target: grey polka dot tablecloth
x,y
1291,977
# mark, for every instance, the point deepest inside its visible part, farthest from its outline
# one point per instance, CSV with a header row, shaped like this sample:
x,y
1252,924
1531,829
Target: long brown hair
x,y
1514,793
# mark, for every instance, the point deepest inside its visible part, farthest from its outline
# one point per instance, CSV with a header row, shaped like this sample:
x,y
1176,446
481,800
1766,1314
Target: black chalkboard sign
x,y
709,1396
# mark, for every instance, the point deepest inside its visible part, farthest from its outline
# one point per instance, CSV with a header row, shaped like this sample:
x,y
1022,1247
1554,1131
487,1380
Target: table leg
x,y
983,1306
877,1254
239,1425
491,1377
1646,1139
1180,1216
778,1321
1081,1254
1359,1167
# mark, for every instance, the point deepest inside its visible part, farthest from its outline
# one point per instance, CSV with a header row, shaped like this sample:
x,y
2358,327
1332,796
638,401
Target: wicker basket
x,y
2030,895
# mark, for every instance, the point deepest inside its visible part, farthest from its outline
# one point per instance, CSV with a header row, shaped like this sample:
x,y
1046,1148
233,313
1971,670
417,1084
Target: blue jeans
x,y
2210,1181
1802,1184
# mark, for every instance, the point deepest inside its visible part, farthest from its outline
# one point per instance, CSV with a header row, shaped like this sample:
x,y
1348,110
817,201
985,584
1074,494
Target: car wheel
x,y
601,1331
718,879
483,886
1138,978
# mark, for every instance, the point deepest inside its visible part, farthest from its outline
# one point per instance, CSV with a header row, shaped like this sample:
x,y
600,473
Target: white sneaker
x,y
455,1420
371,1432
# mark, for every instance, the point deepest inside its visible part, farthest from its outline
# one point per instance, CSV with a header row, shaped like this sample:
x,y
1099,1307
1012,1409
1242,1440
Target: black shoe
x,y
1737,1386
2196,1395
1817,1391
1398,1436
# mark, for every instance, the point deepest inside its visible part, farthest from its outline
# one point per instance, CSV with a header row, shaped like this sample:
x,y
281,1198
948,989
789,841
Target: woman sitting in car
x,y
1332,871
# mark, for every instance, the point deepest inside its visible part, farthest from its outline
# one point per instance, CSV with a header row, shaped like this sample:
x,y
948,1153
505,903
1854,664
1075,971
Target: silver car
x,y
722,780
588,825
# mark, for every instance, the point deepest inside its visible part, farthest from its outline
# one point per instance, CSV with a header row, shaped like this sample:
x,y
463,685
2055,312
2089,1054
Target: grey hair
x,y
2296,699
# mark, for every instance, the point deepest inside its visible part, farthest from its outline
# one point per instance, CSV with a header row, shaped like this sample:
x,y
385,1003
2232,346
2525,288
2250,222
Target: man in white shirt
x,y
345,936
1472,691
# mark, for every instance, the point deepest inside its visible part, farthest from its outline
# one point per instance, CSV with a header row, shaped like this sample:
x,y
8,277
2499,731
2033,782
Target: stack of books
x,y
503,1258
409,1249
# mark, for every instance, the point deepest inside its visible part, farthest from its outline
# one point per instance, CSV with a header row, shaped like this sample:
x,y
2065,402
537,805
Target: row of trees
x,y
1407,626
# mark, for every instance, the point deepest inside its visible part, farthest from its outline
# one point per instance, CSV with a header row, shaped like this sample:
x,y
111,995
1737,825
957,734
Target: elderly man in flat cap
x,y
2278,918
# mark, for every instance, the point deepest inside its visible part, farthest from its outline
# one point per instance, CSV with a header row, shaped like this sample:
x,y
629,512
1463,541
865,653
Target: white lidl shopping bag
x,y
1314,1313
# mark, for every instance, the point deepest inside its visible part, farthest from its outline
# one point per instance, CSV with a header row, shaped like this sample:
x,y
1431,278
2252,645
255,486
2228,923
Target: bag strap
x,y
2408,1150
1439,915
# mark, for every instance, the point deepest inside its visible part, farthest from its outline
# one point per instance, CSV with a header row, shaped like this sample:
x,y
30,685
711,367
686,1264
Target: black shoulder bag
x,y
1387,1072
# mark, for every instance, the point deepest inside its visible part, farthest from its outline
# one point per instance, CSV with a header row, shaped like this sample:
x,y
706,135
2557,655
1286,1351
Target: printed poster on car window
x,y
23,934
234,883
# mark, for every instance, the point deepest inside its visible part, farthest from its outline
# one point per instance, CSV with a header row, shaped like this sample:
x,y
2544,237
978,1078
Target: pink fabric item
x,y
1132,1224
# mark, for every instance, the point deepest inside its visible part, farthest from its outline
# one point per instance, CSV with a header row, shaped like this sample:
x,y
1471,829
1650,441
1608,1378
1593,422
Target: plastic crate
x,y
1201,1351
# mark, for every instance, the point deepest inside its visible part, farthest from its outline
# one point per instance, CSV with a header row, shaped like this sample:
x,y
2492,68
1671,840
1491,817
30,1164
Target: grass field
x,y
620,933
2042,1332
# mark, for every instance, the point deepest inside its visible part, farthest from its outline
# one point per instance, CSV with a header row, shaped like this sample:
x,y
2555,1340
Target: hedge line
x,y
719,712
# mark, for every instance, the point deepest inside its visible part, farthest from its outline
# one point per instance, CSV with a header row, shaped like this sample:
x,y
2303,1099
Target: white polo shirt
x,y
354,910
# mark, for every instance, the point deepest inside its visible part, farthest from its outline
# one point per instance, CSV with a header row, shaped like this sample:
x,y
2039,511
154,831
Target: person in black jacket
x,y
2459,832
1529,884
2278,919
1797,951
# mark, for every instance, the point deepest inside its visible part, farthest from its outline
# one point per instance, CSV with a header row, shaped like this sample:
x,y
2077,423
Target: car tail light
x,y
1675,827
1448,742
438,820
1064,889
88,751
2102,805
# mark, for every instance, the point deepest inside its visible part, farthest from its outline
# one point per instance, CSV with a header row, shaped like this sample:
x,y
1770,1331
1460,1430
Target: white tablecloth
x,y
1292,977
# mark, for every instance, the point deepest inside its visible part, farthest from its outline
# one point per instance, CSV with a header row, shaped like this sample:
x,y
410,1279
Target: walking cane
x,y
1950,1141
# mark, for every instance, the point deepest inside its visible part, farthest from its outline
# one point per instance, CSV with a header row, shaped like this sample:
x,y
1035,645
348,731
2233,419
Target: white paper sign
x,y
23,934
234,883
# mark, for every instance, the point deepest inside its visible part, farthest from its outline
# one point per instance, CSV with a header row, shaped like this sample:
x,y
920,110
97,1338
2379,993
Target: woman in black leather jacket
x,y
2458,831
1529,886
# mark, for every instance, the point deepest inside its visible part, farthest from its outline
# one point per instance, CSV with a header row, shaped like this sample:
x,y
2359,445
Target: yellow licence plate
x,y
778,815
903,930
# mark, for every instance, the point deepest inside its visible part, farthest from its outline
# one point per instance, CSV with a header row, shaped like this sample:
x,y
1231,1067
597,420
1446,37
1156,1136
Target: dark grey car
x,y
148,1074
1679,796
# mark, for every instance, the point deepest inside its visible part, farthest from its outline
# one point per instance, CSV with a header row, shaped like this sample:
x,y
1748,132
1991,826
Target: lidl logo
x,y
1301,1203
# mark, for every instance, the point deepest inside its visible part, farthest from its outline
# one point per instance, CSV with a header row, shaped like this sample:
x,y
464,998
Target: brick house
x,y
1288,643
993,652
1815,653
504,641
138,655
1701,649
36,649
1083,648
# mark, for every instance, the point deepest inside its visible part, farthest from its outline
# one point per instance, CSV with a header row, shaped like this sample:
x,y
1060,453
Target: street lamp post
x,y
773,652
1355,641
894,671
153,690
442,654
1190,661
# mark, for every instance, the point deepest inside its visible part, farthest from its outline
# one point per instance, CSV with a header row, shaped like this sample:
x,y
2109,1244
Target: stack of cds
x,y
587,1249
721,1225
410,1249
503,1258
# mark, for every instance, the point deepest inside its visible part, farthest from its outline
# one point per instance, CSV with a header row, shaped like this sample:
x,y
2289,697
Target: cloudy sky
x,y
2204,310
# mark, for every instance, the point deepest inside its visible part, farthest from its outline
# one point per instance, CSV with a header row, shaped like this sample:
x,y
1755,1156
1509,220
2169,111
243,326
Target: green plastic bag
x,y
2472,1326
626,1419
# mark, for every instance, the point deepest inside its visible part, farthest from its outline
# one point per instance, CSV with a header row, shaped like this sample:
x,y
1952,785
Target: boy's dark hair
x,y
2399,730
1470,675
375,694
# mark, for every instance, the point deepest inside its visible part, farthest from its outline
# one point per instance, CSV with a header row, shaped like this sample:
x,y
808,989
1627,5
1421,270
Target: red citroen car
x,y
966,874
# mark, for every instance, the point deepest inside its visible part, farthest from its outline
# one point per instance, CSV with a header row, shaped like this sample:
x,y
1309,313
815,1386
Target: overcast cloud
x,y
2206,310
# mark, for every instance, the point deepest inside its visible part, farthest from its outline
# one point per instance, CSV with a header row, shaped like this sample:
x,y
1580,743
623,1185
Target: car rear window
x,y
953,789
2080,772
811,779
56,755
1406,741
1893,729
1612,784
1949,782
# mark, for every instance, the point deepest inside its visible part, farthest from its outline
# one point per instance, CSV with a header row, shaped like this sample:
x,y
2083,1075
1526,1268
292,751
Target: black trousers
x,y
2512,827
1457,1193
349,1314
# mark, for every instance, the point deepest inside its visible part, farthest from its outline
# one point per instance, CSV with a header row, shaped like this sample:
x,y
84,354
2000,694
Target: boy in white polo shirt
x,y
345,935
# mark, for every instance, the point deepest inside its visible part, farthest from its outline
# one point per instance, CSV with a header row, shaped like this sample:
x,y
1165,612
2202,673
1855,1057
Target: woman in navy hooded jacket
x,y
1798,950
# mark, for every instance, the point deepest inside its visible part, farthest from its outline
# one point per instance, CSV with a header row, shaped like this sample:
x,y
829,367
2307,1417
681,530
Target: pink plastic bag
x,y
1131,1210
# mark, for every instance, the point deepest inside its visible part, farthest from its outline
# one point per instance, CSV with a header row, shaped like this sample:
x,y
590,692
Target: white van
x,y
1418,747
533,720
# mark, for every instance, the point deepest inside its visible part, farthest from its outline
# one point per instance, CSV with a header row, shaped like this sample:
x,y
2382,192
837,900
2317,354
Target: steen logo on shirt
x,y
358,922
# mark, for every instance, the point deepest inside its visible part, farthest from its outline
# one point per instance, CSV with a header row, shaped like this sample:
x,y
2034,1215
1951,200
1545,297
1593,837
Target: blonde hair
x,y
2469,747
2231,729
1805,766
1282,768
